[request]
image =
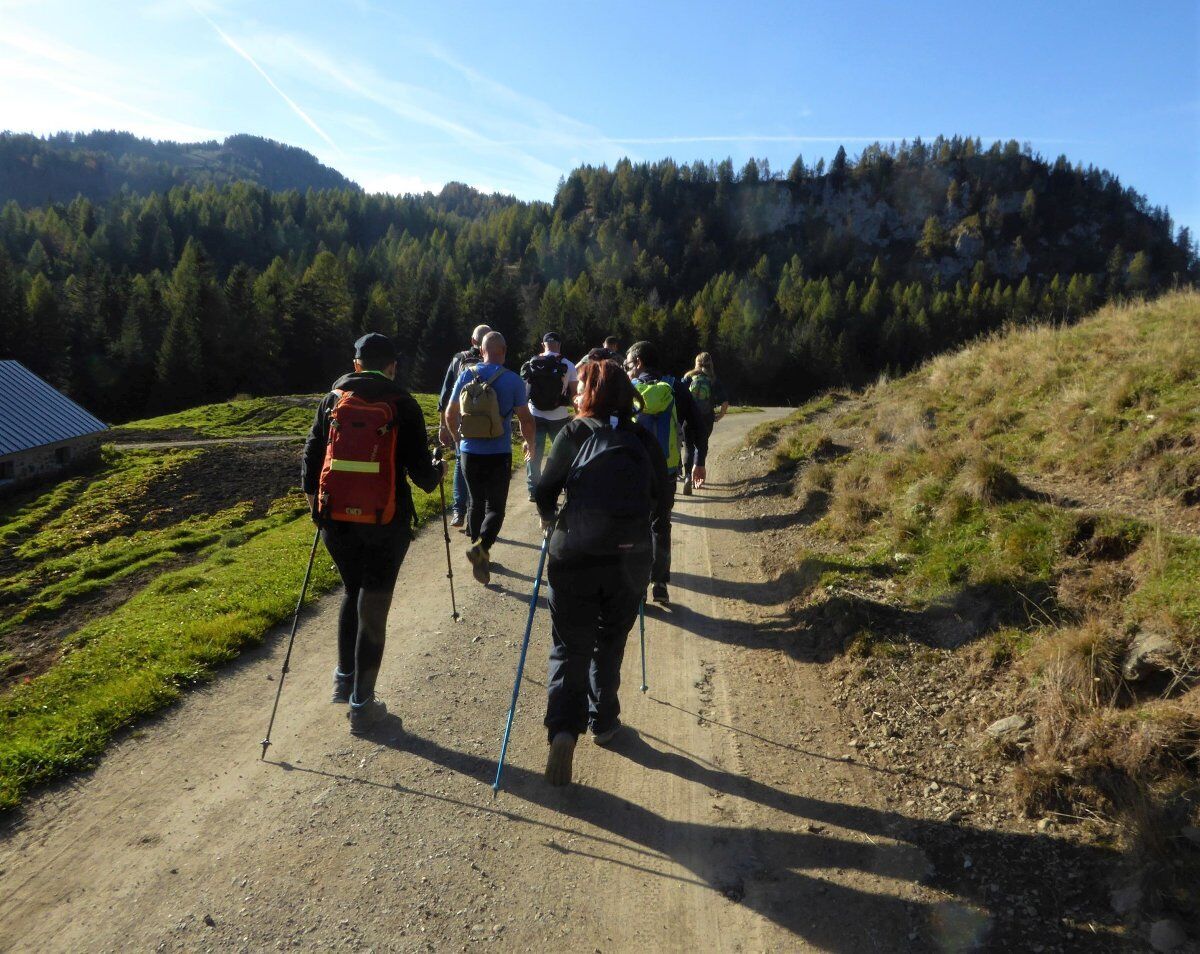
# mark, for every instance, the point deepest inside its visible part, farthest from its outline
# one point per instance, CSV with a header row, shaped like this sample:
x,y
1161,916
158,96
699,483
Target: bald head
x,y
494,347
479,334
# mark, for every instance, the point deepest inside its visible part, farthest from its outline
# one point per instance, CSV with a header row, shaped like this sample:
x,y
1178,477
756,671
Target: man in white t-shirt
x,y
552,381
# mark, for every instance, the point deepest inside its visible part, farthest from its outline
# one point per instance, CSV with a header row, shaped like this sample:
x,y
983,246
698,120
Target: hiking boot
x,y
687,488
365,715
343,685
458,521
480,564
558,762
659,593
605,737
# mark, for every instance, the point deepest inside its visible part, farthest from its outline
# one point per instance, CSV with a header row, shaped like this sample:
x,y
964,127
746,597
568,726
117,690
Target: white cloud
x,y
49,86
229,41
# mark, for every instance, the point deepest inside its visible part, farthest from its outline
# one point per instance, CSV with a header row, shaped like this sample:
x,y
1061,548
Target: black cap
x,y
551,336
374,347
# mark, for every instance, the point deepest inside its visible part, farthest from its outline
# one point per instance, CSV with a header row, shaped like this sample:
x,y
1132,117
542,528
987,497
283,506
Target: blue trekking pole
x,y
642,616
512,709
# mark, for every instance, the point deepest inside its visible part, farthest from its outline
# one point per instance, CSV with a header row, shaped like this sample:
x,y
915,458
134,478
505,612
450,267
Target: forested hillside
x,y
98,165
796,282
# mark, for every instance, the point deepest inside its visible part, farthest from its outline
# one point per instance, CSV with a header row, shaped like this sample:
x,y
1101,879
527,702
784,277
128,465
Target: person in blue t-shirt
x,y
487,462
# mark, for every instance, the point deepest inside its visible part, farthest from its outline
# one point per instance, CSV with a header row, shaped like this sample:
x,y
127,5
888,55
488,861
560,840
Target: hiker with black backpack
x,y
367,437
600,555
479,415
461,360
552,381
610,349
666,405
712,404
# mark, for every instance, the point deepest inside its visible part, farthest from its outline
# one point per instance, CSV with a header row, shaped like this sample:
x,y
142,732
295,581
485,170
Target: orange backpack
x,y
358,479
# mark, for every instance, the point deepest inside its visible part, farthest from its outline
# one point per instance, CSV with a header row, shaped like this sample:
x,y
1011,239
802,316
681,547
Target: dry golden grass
x,y
938,467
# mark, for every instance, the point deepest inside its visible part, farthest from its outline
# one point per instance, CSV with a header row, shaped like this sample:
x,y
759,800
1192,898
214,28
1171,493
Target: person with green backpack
x,y
666,405
712,404
479,415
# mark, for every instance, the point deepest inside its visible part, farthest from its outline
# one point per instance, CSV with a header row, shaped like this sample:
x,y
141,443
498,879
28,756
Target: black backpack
x,y
608,488
544,375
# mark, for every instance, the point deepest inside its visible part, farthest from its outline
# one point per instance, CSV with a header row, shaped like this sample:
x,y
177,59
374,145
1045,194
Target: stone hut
x,y
42,432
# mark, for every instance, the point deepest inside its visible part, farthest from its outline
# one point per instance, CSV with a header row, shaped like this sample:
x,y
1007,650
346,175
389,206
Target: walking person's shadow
x,y
774,871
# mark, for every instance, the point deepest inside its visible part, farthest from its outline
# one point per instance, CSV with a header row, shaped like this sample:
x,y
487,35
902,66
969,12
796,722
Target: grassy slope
x,y
246,417
929,481
244,580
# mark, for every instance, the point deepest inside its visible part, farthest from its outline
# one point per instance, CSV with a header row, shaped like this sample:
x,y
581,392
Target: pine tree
x,y
180,367
837,168
13,325
933,238
134,350
797,173
48,337
252,359
1029,209
1138,276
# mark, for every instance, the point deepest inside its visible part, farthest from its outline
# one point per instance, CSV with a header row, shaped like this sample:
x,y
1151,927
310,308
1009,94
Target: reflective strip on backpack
x,y
355,466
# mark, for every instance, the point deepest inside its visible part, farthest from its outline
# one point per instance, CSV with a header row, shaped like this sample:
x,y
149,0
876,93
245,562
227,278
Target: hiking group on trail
x,y
610,437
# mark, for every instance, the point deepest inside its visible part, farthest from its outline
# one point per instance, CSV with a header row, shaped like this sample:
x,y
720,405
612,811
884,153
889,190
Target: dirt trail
x,y
730,820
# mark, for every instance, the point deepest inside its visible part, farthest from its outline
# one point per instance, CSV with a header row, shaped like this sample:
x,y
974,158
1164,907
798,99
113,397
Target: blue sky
x,y
509,96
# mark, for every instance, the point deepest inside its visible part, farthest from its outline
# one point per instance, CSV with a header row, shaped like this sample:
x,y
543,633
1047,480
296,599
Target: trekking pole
x,y
642,616
437,456
512,709
291,639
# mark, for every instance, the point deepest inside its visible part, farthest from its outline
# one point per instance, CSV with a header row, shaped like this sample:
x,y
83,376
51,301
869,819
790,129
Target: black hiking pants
x,y
487,485
593,606
368,559
660,529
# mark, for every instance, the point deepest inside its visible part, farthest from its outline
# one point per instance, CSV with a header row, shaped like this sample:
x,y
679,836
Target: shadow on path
x,y
775,871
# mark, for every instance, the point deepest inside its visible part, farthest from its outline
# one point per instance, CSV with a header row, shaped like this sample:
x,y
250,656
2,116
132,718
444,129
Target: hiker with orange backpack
x,y
367,437
479,416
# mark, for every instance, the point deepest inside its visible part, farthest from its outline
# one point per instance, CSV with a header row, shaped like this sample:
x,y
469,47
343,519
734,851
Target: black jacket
x,y
557,467
413,458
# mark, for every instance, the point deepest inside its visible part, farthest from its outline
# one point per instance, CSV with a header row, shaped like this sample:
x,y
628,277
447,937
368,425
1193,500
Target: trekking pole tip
x,y
264,743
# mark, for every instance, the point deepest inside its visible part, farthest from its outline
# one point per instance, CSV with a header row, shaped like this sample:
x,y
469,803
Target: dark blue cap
x,y
374,347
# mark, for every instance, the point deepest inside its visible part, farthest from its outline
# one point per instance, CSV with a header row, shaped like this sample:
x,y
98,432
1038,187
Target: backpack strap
x,y
492,379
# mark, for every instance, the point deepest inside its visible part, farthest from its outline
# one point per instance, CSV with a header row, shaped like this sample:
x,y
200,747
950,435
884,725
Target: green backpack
x,y
701,387
659,418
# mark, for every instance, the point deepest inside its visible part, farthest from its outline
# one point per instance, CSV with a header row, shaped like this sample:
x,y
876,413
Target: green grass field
x,y
187,592
248,417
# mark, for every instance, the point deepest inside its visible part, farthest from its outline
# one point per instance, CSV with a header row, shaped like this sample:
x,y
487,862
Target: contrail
x,y
270,82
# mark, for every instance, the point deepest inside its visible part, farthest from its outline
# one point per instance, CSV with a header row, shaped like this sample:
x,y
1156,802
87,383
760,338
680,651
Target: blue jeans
x,y
544,434
461,505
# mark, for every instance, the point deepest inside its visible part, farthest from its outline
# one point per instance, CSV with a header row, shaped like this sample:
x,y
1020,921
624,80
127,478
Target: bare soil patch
x,y
216,479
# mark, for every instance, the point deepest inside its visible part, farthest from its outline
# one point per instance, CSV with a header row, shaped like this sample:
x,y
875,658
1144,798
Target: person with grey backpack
x,y
479,415
615,477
